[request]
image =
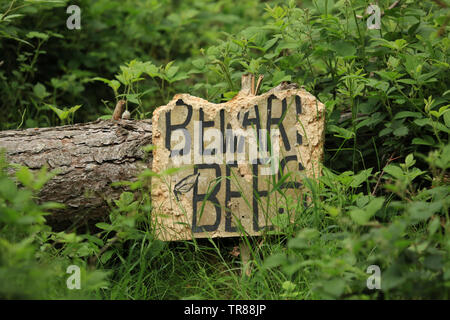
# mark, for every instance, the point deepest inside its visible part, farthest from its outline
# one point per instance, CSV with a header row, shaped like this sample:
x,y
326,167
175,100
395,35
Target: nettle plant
x,y
385,90
404,233
386,95
33,258
135,75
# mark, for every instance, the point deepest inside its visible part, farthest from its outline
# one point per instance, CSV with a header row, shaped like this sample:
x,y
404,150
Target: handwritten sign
x,y
240,164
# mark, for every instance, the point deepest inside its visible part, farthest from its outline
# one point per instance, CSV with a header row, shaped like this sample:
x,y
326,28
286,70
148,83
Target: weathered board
x,y
230,157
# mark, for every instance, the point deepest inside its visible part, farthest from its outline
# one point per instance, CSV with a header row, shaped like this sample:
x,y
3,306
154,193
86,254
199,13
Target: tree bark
x,y
89,158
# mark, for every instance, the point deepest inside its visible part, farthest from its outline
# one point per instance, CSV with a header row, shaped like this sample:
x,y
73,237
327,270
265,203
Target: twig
x,y
348,115
253,84
441,4
392,6
245,258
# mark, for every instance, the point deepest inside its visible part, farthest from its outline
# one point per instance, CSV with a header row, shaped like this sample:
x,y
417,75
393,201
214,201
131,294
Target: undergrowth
x,y
383,196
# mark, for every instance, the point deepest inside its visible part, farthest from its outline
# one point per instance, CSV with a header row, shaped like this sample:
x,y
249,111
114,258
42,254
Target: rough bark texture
x,y
89,157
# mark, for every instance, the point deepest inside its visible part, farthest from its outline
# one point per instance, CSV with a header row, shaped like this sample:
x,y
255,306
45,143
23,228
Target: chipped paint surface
x,y
222,190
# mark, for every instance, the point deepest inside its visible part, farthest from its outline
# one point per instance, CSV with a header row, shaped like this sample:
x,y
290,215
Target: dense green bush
x,y
382,200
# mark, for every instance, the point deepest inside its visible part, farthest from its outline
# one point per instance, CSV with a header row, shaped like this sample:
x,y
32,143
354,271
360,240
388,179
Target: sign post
x,y
238,162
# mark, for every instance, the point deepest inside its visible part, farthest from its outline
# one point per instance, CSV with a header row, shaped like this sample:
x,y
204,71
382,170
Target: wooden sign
x,y
239,162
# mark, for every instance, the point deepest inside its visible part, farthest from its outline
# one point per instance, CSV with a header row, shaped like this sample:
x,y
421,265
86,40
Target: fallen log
x,y
89,157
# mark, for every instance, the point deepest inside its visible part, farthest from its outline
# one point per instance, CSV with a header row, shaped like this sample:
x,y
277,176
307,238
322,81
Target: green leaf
x,y
384,132
393,62
171,72
303,238
400,132
441,127
84,251
269,44
308,233
115,85
52,205
39,35
344,48
434,226
132,97
298,243
393,277
230,95
179,76
334,287
420,210
199,63
288,286
152,70
281,220
106,256
414,173
124,80
275,260
95,280
125,199
409,160
360,178
254,67
389,75
74,108
406,114
447,118
425,140
434,262
279,76
394,170
362,216
104,80
104,226
12,17
8,188
396,45
342,132
25,176
378,84
94,240
62,114
422,122
105,117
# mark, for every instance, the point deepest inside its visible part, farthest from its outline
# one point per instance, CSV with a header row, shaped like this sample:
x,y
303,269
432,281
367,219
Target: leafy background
x,y
383,197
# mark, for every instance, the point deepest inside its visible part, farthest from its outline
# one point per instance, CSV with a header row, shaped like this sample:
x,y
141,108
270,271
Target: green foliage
x,y
44,63
33,259
407,238
383,195
135,71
